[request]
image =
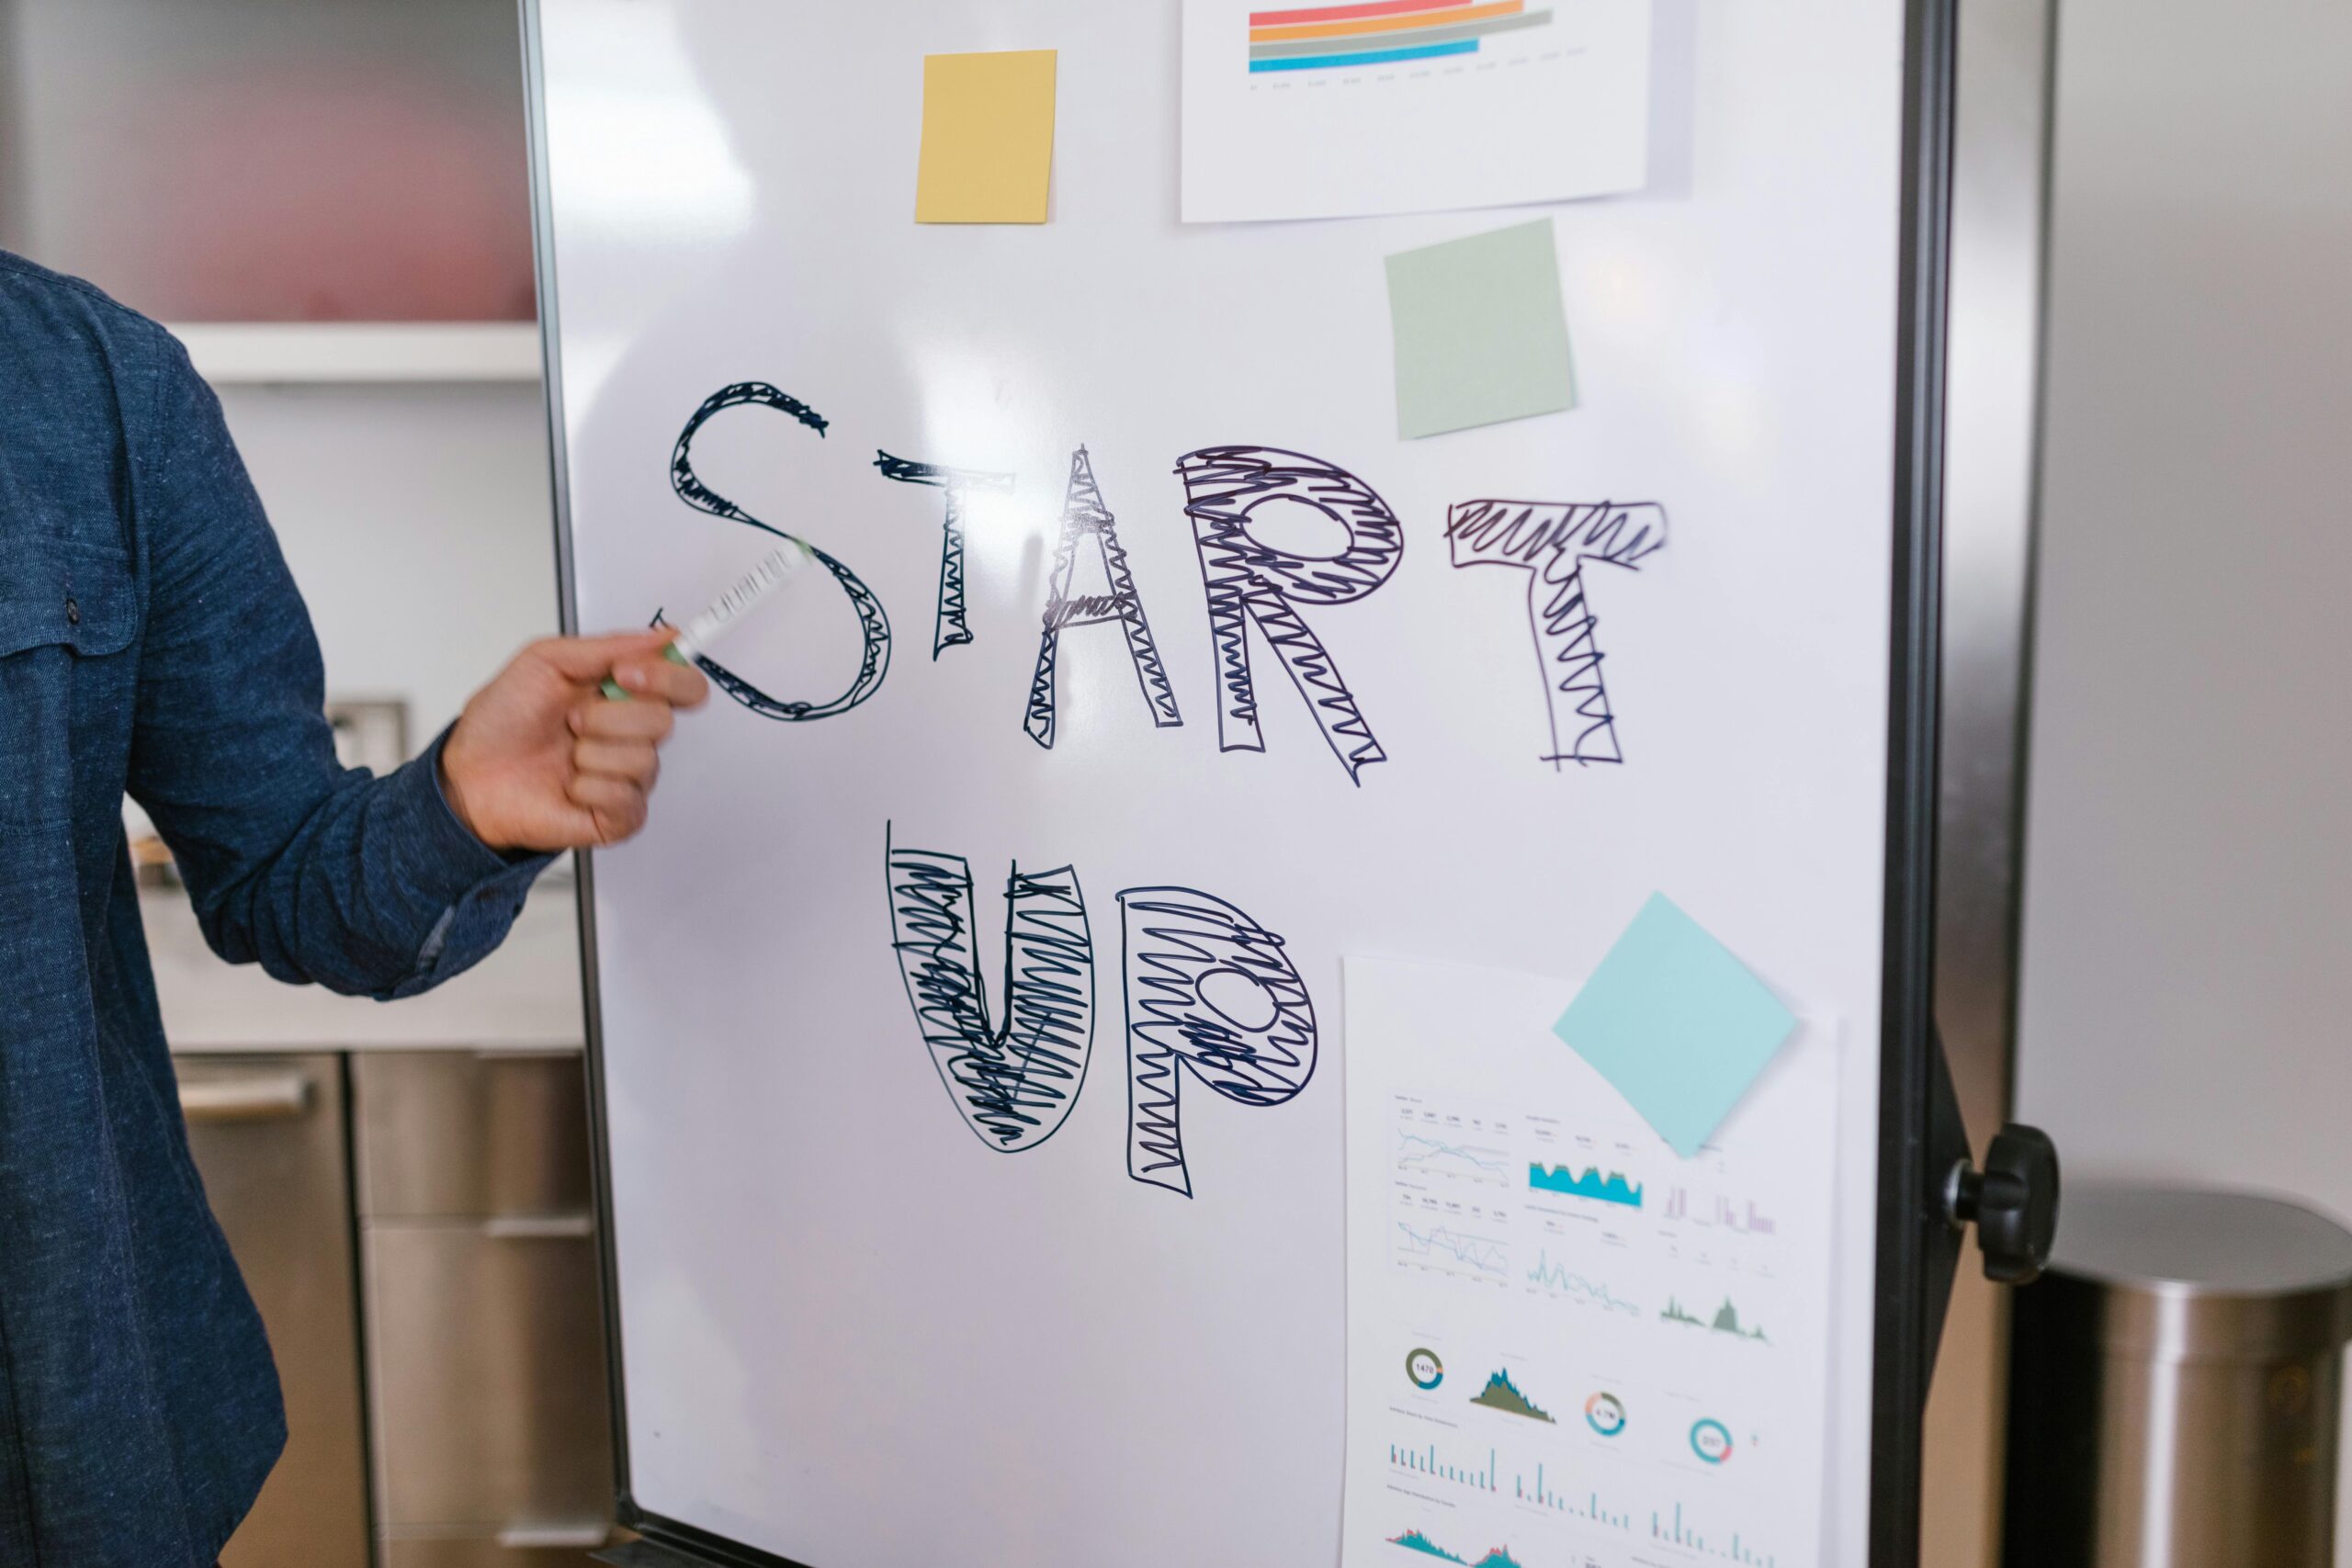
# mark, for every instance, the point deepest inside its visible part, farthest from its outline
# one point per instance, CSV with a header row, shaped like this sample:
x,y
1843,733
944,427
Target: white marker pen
x,y
731,607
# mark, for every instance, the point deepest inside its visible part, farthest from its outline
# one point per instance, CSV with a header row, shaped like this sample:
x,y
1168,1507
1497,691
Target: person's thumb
x,y
593,658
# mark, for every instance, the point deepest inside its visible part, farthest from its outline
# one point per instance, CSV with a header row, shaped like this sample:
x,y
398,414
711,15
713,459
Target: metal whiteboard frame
x,y
1909,1213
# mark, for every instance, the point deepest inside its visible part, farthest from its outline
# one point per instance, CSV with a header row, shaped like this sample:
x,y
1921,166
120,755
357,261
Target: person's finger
x,y
680,685
593,658
632,762
600,720
616,824
606,796
618,807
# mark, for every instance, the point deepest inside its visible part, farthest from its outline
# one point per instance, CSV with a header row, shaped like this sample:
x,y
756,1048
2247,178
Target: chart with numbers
x,y
1568,1346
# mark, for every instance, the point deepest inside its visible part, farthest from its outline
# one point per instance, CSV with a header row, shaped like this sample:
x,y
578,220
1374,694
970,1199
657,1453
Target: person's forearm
x,y
379,892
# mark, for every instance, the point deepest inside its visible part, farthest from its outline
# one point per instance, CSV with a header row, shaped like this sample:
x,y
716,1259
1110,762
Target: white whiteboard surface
x,y
852,1335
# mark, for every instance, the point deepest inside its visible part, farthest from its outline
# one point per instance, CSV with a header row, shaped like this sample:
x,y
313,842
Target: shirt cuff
x,y
476,891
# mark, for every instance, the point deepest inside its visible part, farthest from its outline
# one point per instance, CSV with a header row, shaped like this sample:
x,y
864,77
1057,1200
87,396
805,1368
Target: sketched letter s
x,y
873,626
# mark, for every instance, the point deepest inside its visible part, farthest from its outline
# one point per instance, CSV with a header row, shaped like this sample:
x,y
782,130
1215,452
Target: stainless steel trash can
x,y
2173,1382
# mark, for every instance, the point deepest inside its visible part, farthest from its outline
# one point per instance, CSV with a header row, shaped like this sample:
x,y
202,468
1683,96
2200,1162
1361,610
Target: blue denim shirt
x,y
150,640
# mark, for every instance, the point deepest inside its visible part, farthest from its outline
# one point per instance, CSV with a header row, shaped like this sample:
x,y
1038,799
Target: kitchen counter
x,y
524,997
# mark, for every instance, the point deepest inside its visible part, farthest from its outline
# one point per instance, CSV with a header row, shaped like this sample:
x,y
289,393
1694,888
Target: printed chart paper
x,y
1411,106
1568,1346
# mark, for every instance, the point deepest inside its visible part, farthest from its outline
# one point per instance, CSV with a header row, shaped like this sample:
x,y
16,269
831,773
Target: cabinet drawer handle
x,y
538,1227
256,1097
582,1537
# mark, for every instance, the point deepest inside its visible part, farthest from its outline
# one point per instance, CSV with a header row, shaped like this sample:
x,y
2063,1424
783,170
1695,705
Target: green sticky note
x,y
1675,1023
1480,333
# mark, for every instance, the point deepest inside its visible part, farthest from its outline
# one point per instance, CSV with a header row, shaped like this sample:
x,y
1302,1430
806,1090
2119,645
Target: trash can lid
x,y
2199,1273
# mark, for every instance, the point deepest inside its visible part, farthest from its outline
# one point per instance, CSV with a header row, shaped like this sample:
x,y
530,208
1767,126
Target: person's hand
x,y
542,760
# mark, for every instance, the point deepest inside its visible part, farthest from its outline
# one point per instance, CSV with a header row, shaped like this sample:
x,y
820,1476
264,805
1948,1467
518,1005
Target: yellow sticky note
x,y
988,137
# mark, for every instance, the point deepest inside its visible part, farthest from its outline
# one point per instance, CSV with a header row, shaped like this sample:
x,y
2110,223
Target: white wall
x,y
418,523
2188,968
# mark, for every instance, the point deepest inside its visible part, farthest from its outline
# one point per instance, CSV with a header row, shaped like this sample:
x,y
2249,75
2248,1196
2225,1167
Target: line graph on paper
x,y
1432,1140
1551,1278
1420,1155
1450,1248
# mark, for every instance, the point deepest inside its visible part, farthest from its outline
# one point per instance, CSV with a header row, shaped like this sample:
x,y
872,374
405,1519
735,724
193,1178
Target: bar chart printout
x,y
1384,32
1633,1346
1369,107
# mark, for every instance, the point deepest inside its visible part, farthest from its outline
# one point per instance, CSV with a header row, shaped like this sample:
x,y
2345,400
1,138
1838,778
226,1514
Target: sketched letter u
x,y
1013,1085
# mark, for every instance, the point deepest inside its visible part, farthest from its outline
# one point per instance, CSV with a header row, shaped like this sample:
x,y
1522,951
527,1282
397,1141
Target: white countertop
x,y
525,996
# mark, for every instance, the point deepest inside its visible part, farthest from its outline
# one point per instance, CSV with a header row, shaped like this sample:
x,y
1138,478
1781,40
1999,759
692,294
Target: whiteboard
x,y
867,1317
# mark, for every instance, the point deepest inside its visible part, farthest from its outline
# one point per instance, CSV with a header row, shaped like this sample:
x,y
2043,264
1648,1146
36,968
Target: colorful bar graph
x,y
1372,57
1381,32
1350,13
1753,1221
1368,27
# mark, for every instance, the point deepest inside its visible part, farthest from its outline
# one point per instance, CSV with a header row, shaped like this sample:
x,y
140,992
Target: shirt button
x,y
73,612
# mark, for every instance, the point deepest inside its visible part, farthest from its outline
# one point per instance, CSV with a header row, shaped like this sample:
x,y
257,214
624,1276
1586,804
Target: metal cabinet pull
x,y
584,1536
537,1227
252,1097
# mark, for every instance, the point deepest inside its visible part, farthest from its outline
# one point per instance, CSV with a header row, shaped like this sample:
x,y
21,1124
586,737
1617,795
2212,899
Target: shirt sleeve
x,y
319,873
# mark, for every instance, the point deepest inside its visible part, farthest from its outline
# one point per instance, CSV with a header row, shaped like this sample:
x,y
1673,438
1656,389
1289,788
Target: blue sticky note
x,y
1677,1024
